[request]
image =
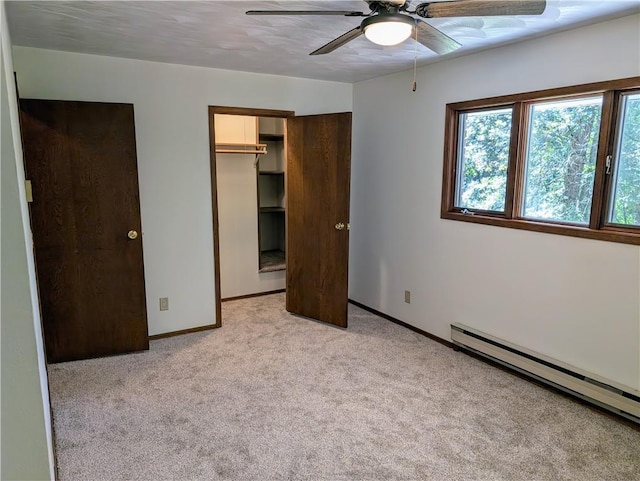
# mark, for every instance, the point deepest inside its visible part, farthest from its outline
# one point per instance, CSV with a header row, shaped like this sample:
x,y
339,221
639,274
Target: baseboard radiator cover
x,y
612,396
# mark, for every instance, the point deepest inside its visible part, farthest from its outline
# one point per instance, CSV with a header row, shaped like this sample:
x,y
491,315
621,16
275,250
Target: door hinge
x,y
608,165
28,190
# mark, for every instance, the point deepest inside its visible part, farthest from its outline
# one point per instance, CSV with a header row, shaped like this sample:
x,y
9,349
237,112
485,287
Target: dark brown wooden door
x,y
81,160
318,177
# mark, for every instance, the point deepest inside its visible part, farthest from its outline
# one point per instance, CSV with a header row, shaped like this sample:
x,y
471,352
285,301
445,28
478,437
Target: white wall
x,y
238,227
573,299
26,425
170,104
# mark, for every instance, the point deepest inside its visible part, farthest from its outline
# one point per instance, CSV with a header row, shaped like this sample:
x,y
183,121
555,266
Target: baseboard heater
x,y
619,399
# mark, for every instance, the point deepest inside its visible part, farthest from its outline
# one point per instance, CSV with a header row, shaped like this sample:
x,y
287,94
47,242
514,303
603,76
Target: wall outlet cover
x,y
164,303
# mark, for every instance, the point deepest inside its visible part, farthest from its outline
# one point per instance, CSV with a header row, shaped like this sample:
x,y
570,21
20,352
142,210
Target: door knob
x,y
339,226
132,234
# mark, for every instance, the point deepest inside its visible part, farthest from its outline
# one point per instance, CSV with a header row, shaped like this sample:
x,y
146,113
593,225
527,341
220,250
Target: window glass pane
x,y
625,207
561,159
483,158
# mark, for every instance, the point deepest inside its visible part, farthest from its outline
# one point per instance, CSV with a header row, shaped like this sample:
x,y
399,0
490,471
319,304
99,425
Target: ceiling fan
x,y
391,22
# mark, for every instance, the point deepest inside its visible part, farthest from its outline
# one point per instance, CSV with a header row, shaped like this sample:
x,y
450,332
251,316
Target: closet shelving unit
x,y
271,195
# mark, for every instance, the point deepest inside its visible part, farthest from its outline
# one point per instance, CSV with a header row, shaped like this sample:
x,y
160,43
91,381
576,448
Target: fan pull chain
x,y
415,59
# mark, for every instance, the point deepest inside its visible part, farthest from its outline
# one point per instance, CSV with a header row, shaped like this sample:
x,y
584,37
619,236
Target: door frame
x,y
250,112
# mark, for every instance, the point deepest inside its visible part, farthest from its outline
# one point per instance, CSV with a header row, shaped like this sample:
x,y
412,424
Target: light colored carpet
x,y
273,396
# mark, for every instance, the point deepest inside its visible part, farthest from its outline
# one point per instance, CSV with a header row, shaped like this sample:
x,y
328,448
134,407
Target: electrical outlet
x,y
164,303
407,297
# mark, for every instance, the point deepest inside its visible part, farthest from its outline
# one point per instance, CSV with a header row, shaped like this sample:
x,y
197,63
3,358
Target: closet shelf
x,y
229,148
271,137
266,210
272,260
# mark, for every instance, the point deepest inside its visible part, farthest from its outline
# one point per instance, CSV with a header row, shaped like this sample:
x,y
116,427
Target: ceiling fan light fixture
x,y
388,29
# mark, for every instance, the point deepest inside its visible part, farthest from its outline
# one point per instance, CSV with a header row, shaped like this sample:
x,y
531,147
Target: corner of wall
x,y
34,415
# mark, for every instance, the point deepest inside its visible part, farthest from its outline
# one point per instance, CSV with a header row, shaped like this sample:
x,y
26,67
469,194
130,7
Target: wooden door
x,y
318,177
81,160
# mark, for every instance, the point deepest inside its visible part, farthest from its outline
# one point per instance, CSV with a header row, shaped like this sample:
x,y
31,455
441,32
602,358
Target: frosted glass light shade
x,y
388,33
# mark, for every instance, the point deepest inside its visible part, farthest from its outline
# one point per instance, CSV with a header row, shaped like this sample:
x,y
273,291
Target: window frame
x,y
598,228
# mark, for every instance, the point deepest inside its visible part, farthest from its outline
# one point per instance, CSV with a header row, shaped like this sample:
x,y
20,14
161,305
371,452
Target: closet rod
x,y
231,148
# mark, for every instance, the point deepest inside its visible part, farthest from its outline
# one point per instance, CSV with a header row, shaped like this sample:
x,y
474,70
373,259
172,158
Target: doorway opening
x,y
248,183
311,196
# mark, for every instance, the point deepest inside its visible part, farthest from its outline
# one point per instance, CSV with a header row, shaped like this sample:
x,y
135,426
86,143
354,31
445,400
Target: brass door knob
x,y
132,234
339,226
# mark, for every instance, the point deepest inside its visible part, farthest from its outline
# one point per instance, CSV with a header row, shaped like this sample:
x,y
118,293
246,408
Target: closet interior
x,y
251,191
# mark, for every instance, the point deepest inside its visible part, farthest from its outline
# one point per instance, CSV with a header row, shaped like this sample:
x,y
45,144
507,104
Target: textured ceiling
x,y
218,33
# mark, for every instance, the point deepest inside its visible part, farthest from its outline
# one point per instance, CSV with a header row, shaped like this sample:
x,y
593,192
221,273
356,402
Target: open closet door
x,y
318,176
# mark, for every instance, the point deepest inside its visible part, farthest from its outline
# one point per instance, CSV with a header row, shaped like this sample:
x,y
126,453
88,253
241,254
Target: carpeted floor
x,y
273,396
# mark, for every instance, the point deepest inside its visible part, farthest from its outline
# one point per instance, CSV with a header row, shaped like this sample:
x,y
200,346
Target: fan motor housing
x,y
387,17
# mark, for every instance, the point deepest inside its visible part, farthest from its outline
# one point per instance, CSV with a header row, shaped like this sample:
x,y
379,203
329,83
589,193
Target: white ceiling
x,y
218,34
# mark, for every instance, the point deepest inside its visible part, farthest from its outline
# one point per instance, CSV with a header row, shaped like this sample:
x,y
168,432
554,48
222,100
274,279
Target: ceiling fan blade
x,y
481,8
346,13
434,39
339,42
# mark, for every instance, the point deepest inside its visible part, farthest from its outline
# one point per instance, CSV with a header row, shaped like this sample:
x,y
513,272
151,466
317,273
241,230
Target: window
x,y
483,159
563,161
625,198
